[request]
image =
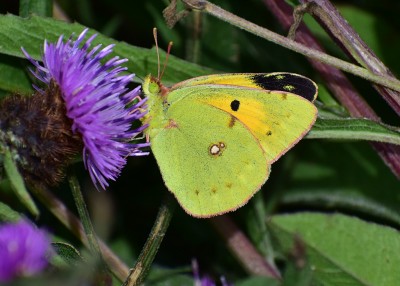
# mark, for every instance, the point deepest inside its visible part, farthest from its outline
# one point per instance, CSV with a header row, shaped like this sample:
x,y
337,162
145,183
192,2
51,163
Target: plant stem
x,y
241,247
194,27
150,249
351,42
17,182
290,44
337,83
85,219
89,230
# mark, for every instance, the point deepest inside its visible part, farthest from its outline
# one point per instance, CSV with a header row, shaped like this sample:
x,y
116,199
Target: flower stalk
x,y
142,266
88,226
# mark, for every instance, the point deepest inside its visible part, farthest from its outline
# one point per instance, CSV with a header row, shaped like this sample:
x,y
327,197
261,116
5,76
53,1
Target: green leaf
x,y
18,184
211,50
349,201
342,250
68,254
8,214
170,276
257,229
176,280
30,33
13,78
340,176
354,129
258,281
38,7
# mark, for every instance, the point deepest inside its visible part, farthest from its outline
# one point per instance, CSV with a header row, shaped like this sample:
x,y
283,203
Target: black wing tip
x,y
288,82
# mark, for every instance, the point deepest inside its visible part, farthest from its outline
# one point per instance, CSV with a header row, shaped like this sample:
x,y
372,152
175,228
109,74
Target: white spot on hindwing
x,y
216,149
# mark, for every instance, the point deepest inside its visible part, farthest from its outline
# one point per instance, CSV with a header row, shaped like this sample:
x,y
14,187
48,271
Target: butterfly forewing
x,y
277,120
279,81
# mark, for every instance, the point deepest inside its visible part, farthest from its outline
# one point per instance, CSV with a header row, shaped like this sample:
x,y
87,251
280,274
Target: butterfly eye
x,y
154,87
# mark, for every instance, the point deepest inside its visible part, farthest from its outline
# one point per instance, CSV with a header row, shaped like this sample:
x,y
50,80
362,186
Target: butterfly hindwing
x,y
209,167
215,137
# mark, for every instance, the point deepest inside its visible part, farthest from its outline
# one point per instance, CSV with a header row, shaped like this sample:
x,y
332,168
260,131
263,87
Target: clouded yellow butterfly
x,y
215,137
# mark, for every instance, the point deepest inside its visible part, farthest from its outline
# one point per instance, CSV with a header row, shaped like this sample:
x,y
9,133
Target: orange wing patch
x,y
269,119
249,111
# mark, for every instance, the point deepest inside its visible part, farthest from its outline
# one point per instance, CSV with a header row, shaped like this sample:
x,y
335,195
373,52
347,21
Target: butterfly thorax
x,y
157,103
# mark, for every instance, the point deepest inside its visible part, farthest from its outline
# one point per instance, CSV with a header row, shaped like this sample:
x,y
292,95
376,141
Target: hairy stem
x,y
290,44
150,249
351,42
88,226
337,83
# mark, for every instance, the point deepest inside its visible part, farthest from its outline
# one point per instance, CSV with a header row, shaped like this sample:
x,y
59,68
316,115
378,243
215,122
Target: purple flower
x,y
205,280
97,101
24,250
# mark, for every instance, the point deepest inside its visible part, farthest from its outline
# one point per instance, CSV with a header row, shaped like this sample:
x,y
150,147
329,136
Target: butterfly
x,y
215,137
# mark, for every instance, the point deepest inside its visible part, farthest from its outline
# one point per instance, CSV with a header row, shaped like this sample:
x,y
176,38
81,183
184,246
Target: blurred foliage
x,y
324,176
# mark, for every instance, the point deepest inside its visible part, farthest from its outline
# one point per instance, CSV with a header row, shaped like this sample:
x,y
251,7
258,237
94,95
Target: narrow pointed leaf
x,y
68,253
31,32
8,214
18,184
354,129
342,250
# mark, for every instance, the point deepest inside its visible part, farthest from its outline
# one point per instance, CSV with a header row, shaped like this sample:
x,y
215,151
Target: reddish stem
x,y
253,262
337,82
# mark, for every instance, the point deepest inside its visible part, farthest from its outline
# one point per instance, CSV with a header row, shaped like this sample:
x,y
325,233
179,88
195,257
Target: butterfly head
x,y
153,86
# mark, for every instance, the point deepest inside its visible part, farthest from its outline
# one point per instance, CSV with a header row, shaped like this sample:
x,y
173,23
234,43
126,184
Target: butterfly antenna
x,y
166,58
158,53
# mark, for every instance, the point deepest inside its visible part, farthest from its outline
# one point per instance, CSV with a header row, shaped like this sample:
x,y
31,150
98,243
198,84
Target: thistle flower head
x,y
24,250
97,102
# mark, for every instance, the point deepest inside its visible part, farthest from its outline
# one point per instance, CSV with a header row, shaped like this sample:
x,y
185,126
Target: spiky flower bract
x,y
24,250
37,132
97,101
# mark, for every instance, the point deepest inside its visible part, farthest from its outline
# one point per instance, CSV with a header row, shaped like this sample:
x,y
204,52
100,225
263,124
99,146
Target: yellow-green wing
x,y
277,81
211,167
276,119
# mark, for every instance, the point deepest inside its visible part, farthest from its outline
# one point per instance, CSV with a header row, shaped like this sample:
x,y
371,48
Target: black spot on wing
x,y
235,105
287,82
